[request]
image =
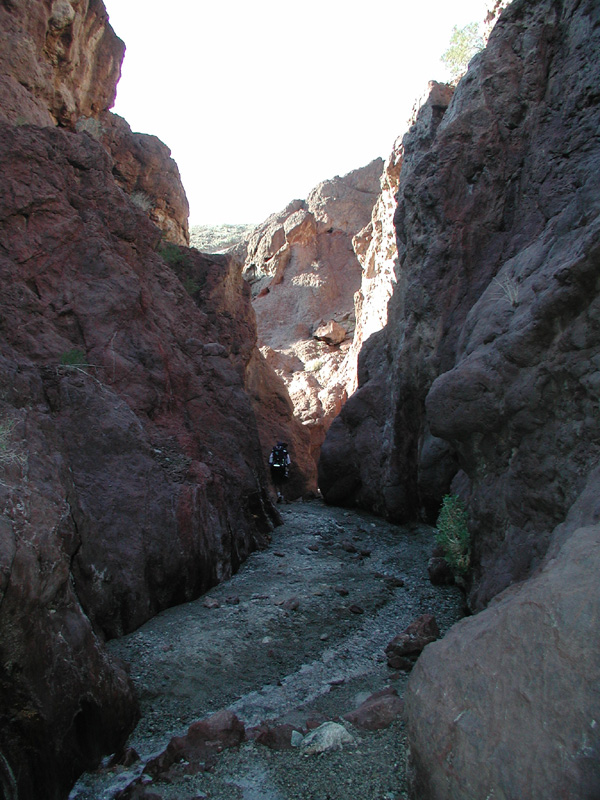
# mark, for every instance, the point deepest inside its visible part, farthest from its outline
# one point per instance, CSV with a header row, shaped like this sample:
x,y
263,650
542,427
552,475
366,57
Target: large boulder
x,y
506,705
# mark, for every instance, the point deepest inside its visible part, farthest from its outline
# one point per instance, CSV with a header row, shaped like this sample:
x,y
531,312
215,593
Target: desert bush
x,y
172,254
509,288
141,200
452,534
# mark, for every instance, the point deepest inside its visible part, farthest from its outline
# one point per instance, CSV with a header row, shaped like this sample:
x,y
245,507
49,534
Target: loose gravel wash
x,y
299,633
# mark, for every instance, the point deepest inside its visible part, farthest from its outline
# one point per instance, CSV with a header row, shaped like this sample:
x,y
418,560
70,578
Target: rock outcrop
x,y
304,274
485,381
59,60
143,167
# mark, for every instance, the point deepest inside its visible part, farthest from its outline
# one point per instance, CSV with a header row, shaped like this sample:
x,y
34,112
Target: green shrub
x,y
73,358
172,254
452,534
464,44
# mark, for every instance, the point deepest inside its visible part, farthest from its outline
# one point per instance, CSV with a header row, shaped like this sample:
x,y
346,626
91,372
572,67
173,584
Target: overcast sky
x,y
260,101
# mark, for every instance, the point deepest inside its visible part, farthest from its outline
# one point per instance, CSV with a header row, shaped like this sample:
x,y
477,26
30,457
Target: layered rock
x,y
136,478
304,274
59,60
485,381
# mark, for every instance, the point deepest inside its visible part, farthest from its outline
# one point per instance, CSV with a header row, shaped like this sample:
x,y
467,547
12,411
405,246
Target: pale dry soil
x,y
266,662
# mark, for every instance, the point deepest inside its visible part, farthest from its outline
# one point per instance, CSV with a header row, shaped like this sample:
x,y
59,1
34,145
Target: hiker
x,y
279,461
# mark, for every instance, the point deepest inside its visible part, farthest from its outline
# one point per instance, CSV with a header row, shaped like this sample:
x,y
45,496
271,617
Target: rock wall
x,y
304,274
484,382
59,60
131,472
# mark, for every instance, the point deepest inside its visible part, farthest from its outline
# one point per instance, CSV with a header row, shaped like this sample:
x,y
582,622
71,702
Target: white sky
x,y
260,100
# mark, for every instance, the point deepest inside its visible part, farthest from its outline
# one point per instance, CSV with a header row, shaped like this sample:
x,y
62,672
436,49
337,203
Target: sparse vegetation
x,y
9,452
217,238
141,200
509,288
464,44
452,534
172,254
73,358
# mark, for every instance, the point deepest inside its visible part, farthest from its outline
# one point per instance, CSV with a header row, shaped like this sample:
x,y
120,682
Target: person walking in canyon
x,y
279,462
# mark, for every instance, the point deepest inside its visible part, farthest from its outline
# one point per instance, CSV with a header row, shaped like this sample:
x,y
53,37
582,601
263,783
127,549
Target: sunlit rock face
x,y
59,60
143,167
304,275
485,382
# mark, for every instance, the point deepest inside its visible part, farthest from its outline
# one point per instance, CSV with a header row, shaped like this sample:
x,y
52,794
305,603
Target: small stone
x,y
292,604
211,602
341,590
323,637
232,600
326,738
355,609
348,546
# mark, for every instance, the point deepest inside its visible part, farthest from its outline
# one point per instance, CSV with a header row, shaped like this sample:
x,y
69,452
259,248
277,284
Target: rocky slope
x,y
131,472
485,379
304,274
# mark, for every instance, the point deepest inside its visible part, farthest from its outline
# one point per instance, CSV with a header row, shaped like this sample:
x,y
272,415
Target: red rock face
x,y
135,478
304,275
59,60
143,167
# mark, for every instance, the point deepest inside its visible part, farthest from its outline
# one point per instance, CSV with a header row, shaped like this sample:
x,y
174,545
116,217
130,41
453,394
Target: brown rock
x,y
203,741
143,168
504,705
58,61
404,649
275,737
379,711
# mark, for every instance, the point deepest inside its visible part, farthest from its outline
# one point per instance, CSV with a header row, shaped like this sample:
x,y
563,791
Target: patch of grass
x,y
452,534
74,358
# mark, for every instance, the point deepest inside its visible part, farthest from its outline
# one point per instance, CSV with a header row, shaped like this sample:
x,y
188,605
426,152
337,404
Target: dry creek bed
x,y
317,656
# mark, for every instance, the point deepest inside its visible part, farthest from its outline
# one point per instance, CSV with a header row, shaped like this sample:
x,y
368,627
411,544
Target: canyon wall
x,y
304,274
485,383
131,471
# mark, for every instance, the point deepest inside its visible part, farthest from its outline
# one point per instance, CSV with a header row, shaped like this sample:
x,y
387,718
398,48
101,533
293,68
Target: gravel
x,y
298,633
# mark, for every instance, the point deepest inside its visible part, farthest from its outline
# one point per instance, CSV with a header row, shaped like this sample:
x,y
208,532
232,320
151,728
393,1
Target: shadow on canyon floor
x,y
299,633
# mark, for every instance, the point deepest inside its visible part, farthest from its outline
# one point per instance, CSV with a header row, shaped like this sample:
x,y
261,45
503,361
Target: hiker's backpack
x,y
279,456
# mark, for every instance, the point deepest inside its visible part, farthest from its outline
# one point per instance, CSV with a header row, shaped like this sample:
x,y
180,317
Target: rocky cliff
x,y
485,380
131,472
304,274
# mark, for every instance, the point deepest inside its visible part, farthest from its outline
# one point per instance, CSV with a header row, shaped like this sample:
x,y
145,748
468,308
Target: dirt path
x,y
299,633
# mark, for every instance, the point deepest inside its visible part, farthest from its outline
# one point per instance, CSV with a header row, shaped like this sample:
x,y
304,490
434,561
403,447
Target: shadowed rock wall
x,y
485,382
131,475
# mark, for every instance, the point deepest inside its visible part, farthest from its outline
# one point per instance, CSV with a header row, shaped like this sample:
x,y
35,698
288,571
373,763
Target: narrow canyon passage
x,y
297,635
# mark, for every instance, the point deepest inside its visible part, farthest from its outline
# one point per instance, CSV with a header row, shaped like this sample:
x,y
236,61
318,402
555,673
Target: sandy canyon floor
x,y
298,634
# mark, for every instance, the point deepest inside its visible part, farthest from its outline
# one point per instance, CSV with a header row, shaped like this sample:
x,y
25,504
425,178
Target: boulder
x,y
506,704
326,738
378,711
404,649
